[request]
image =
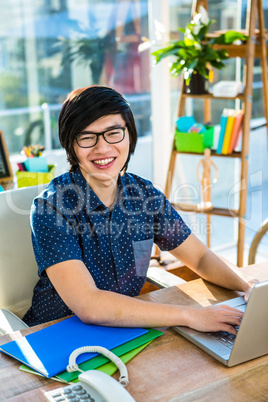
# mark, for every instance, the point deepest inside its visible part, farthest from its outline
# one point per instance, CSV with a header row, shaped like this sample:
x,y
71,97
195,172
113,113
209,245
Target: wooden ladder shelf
x,y
254,47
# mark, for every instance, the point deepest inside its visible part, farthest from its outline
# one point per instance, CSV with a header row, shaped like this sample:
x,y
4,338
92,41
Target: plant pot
x,y
198,85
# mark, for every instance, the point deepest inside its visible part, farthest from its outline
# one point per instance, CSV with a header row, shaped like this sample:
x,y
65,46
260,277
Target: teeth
x,y
103,161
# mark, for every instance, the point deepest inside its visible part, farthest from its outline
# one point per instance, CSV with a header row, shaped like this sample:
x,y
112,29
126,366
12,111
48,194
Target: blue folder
x,y
47,351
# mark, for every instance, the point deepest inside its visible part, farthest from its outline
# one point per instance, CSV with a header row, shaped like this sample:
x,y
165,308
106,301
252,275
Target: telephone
x,y
94,385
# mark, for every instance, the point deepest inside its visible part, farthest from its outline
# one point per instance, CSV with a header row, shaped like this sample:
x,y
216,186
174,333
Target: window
x,y
50,47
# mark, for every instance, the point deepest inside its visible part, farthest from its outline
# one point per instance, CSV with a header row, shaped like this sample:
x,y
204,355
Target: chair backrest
x,y
18,269
256,242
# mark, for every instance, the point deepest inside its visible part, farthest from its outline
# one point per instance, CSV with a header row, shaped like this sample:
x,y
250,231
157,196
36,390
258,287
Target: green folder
x,y
108,368
126,351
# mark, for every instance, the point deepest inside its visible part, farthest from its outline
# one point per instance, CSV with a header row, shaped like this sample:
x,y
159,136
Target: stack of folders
x,y
230,131
46,352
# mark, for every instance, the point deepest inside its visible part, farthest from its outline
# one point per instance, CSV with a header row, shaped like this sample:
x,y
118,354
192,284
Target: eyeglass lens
x,y
88,140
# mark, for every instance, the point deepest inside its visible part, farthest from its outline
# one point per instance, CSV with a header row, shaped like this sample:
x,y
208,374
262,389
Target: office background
x,y
49,47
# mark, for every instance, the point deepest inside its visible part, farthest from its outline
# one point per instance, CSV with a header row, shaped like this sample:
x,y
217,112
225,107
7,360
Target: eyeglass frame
x,y
102,133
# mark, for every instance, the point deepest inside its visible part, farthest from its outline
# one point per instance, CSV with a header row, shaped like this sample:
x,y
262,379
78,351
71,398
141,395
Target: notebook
x,y
47,351
252,338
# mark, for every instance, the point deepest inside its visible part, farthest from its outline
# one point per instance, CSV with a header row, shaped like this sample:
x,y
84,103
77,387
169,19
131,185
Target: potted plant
x,y
194,55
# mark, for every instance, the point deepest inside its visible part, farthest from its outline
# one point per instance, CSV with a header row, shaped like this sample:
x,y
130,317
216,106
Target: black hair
x,y
82,107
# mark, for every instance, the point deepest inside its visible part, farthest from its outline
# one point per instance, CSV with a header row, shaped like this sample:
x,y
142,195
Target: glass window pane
x,y
50,47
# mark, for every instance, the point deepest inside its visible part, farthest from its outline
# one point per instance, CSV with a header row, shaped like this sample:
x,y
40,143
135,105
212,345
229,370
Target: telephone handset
x,y
94,385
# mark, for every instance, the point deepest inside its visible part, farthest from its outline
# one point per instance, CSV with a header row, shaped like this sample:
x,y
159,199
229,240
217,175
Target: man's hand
x,y
215,318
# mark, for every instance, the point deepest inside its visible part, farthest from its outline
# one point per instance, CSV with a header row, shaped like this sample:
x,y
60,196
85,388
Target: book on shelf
x,y
230,124
223,122
228,131
237,131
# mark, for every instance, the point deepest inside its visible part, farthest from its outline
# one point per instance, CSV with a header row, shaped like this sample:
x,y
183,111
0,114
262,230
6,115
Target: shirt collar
x,y
88,196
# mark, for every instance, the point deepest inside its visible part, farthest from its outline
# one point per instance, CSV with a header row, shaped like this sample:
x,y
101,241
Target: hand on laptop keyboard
x,y
215,318
224,337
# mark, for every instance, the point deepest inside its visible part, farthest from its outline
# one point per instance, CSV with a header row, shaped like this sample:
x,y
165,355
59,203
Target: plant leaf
x,y
228,38
217,64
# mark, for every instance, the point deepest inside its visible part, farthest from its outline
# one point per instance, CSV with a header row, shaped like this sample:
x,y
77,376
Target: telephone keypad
x,y
71,393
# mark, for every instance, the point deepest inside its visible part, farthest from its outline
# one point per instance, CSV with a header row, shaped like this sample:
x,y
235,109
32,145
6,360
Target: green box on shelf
x,y
28,179
194,142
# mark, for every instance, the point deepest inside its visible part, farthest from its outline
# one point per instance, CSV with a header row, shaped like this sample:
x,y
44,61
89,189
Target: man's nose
x,y
102,144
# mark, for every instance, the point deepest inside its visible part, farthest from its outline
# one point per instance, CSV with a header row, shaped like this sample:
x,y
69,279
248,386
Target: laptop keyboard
x,y
224,337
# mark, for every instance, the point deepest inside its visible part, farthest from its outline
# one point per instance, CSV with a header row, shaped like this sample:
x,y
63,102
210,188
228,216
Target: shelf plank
x,y
256,33
233,49
239,50
210,96
213,153
215,211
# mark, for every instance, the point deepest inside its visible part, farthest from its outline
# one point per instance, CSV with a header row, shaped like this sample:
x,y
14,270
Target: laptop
x,y
252,337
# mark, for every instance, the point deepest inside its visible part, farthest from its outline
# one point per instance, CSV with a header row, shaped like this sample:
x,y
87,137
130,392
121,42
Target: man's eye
x,y
115,132
87,138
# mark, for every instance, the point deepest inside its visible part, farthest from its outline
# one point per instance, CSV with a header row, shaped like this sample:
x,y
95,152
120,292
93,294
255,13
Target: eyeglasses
x,y
88,140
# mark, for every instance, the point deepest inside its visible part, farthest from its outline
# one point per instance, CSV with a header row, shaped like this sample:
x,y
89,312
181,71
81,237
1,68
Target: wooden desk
x,y
170,368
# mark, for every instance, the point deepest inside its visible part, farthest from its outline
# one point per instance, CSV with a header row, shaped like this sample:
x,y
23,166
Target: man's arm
x,y
195,255
76,287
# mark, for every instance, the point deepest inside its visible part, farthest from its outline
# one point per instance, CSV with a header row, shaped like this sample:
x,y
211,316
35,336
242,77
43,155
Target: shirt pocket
x,y
142,254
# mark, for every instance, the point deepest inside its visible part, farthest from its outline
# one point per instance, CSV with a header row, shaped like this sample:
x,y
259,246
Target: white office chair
x,y
18,268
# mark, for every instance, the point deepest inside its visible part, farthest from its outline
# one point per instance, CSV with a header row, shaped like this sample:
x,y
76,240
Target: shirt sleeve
x,y
170,230
53,236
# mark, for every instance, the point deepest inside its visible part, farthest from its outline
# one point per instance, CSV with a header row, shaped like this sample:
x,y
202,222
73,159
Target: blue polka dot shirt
x,y
69,222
